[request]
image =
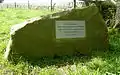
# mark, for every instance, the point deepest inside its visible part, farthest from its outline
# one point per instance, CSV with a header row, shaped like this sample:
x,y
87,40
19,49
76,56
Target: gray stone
x,y
117,17
37,37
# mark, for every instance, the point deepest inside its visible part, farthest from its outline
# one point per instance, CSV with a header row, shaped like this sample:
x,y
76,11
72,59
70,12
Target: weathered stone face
x,y
37,38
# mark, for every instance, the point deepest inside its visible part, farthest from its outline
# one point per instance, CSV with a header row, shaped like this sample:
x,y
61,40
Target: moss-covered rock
x,y
36,38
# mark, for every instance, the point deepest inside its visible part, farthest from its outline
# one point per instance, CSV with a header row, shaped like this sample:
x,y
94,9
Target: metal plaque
x,y
70,29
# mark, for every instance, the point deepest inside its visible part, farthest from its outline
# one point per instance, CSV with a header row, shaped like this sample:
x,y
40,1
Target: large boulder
x,y
45,37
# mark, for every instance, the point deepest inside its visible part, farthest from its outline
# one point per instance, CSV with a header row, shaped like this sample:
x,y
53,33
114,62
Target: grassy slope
x,y
98,64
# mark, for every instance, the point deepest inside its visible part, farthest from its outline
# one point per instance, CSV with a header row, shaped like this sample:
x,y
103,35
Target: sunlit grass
x,y
100,63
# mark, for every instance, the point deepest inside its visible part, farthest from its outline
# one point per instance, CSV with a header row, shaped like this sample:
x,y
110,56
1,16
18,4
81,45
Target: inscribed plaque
x,y
70,29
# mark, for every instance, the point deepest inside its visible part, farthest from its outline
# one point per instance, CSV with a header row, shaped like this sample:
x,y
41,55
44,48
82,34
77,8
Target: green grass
x,y
100,63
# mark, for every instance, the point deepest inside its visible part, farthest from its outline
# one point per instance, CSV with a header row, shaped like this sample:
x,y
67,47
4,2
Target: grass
x,y
99,63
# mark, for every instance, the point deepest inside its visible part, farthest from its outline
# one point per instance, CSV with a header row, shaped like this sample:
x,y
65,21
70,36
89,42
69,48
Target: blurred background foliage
x,y
108,12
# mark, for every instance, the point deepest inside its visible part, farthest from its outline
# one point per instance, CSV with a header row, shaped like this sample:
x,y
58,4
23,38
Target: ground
x,y
99,63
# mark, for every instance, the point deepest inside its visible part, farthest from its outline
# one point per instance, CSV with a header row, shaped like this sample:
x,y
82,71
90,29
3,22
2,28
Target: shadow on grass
x,y
58,61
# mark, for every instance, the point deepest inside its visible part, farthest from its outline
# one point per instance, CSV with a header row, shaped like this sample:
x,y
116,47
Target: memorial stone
x,y
64,33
